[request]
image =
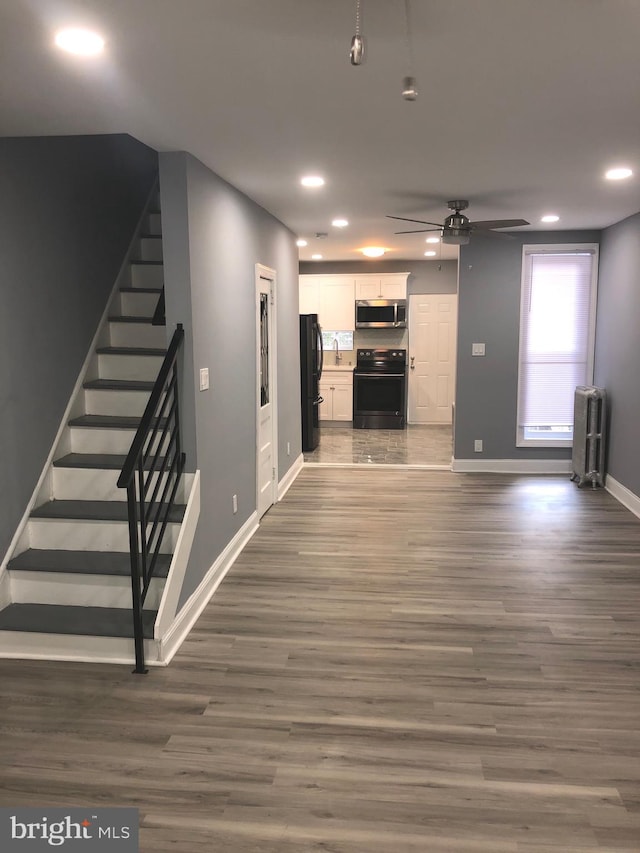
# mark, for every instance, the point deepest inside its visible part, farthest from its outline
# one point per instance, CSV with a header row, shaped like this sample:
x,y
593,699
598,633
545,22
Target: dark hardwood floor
x,y
398,661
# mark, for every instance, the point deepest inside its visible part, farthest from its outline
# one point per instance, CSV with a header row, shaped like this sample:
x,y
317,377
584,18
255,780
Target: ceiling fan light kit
x,y
457,228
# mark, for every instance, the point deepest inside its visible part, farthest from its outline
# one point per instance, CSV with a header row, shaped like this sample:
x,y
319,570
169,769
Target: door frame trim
x,y
267,274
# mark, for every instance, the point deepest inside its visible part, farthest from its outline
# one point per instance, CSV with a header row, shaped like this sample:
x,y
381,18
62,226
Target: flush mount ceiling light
x,y
430,254
550,217
340,223
316,257
79,42
618,174
356,54
432,240
301,243
312,181
373,251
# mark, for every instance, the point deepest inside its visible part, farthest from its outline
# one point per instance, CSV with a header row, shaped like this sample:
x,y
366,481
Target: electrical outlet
x,y
477,445
234,504
204,378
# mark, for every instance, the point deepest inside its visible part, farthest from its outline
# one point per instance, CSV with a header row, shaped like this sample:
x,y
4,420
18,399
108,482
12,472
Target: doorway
x,y
266,396
432,357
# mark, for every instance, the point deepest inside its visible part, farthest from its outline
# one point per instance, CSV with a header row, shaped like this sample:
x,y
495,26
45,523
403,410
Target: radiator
x,y
589,415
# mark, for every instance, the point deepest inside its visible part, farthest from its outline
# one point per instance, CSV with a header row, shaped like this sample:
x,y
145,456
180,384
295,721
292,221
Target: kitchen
x,y
370,388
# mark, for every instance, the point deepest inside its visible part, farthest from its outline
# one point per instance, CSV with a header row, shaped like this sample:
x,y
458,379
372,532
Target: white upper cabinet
x,y
332,298
389,286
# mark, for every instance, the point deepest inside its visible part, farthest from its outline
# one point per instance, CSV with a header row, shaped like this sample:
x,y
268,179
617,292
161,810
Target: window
x,y
557,325
345,340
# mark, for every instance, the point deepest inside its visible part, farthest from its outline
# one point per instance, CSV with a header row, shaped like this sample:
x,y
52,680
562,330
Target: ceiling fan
x,y
457,228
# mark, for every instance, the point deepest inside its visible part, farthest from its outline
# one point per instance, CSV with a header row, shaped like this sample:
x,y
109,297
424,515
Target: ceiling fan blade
x,y
499,223
418,231
421,221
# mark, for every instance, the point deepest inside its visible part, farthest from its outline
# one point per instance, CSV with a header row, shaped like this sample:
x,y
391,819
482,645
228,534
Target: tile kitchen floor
x,y
429,444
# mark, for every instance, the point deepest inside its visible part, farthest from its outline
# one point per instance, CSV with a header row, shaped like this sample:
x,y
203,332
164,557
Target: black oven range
x,y
379,389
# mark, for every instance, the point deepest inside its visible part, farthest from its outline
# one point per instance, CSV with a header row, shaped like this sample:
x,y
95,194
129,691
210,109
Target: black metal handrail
x,y
151,475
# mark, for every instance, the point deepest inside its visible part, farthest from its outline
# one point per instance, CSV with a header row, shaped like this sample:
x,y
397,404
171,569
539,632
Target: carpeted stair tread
x,y
131,351
118,385
94,511
157,290
66,619
138,263
114,563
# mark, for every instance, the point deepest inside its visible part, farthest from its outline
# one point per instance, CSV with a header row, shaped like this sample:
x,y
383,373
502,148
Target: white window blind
x,y
556,340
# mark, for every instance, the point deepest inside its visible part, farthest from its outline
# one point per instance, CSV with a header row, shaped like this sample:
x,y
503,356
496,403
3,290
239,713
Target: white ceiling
x,y
522,104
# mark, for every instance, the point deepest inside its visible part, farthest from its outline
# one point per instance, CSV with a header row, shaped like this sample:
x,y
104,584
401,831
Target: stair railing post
x,y
134,549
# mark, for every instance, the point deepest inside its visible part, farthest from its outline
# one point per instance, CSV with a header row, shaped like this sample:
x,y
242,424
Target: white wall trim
x,y
623,495
511,466
198,600
290,477
179,561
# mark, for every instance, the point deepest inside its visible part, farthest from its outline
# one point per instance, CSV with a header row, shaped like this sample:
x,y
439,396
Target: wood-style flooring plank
x,y
399,661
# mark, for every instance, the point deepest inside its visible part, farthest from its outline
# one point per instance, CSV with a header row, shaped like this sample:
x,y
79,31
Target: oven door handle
x,y
381,375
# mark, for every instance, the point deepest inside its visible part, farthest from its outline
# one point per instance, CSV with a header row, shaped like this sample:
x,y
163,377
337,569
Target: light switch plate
x,y
204,378
477,349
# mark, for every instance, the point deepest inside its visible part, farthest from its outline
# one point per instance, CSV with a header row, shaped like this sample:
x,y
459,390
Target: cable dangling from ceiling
x,y
357,42
409,90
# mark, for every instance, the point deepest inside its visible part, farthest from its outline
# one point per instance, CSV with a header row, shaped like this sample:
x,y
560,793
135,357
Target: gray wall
x,y
68,209
489,312
618,346
210,287
425,276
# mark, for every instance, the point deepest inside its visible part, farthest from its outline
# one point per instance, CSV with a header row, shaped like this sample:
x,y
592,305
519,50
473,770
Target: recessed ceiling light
x,y
373,251
433,239
78,41
340,223
430,254
301,243
550,217
312,181
618,174
316,257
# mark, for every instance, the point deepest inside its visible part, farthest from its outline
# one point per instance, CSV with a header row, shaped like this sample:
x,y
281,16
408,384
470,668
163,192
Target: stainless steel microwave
x,y
381,314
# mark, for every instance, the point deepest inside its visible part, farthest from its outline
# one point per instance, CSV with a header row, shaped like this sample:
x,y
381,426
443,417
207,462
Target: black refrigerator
x,y
311,371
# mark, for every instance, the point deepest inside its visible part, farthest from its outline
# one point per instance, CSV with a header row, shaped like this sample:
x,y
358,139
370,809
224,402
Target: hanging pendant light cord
x,y
357,17
407,18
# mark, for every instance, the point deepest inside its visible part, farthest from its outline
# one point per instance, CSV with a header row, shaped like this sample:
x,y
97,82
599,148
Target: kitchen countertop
x,y
341,367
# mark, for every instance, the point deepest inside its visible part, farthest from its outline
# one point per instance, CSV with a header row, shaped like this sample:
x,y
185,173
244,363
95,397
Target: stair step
x,y
157,290
155,351
94,511
129,318
67,619
98,461
119,385
117,563
108,422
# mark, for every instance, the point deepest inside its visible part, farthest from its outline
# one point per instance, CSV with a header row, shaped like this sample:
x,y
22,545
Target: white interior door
x,y
266,457
432,357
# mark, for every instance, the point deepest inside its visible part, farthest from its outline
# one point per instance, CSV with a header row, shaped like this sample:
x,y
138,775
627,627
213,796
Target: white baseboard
x,y
511,466
199,599
623,495
289,478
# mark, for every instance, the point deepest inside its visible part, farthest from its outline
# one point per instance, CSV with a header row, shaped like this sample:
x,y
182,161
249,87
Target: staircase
x,y
69,577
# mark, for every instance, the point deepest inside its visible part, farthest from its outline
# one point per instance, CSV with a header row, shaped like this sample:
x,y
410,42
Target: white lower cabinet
x,y
336,388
